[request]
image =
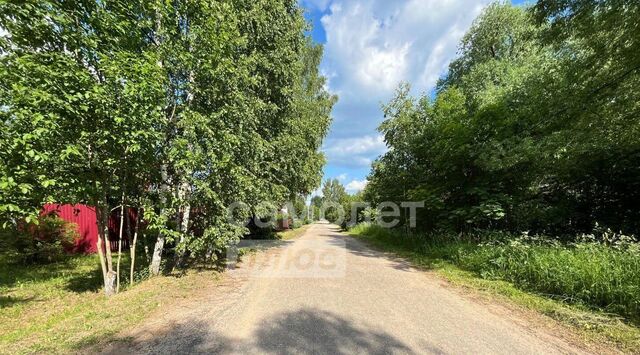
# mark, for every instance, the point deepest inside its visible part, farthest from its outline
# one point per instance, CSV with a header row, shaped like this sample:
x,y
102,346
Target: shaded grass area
x,y
59,307
593,288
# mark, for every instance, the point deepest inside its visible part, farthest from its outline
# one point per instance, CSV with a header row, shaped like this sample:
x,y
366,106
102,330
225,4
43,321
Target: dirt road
x,y
326,293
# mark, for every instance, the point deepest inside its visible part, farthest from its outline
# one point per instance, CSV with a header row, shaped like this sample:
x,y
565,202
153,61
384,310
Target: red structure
x,y
85,218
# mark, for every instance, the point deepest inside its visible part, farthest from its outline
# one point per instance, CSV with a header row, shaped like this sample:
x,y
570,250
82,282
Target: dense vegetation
x,y
534,128
174,108
527,154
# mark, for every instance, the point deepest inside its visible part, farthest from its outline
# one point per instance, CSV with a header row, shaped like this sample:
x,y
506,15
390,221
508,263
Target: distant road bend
x,y
369,303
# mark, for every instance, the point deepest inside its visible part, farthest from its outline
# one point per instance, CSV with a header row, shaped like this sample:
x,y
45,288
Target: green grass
x,y
293,233
59,308
594,275
592,288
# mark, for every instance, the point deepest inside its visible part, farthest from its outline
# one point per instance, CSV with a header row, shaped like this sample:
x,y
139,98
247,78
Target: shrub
x,y
46,241
591,273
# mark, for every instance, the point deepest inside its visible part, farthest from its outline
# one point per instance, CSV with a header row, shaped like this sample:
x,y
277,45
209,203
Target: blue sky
x,y
370,47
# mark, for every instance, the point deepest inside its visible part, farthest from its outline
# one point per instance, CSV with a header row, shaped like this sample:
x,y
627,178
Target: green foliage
x,y
334,199
333,191
47,240
316,201
172,107
531,130
590,273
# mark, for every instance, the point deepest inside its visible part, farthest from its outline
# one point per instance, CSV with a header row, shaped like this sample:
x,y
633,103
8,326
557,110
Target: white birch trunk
x,y
132,247
103,242
120,244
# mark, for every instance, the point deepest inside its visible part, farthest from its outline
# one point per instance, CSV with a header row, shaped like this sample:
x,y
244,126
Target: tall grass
x,y
600,276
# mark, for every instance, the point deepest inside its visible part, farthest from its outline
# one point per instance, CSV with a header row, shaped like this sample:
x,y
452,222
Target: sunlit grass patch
x,y
59,307
293,233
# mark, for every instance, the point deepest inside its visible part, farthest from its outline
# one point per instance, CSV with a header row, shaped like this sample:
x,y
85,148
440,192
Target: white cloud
x,y
342,177
356,186
373,45
357,51
354,152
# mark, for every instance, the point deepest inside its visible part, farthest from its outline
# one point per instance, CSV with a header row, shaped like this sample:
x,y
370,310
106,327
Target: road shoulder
x,y
533,312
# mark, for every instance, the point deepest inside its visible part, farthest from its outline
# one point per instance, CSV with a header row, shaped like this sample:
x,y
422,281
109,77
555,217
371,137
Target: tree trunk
x,y
184,227
110,284
106,214
102,216
146,248
184,222
100,244
184,189
157,255
132,247
156,258
120,243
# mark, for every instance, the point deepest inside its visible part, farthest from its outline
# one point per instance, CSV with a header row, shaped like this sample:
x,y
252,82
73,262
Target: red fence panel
x,y
85,218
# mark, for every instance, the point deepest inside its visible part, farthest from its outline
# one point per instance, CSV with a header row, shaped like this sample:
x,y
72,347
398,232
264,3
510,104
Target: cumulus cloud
x,y
356,186
354,152
373,45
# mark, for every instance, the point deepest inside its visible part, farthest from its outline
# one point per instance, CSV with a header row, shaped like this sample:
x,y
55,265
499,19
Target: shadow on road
x,y
306,331
313,331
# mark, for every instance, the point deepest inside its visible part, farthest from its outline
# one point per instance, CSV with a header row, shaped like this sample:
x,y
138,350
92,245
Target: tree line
x,y
533,128
174,108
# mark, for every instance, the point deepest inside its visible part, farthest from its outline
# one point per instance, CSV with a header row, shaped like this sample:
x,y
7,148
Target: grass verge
x,y
292,233
452,261
59,308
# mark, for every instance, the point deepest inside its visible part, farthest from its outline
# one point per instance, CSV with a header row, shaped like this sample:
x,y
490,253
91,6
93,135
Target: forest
x,y
534,127
173,109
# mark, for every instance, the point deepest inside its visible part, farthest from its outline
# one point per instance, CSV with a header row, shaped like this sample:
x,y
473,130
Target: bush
x,y
46,241
592,273
296,224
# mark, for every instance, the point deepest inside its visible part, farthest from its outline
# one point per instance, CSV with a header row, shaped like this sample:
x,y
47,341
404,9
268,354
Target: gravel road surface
x,y
326,293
